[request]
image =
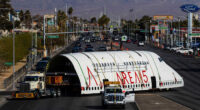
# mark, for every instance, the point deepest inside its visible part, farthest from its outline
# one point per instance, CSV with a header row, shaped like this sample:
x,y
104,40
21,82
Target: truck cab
x,y
34,86
114,95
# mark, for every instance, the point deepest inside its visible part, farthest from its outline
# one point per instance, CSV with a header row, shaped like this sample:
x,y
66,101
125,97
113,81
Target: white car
x,y
175,48
185,51
140,43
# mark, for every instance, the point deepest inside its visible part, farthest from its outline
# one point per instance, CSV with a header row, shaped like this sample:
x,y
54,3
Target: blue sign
x,y
189,8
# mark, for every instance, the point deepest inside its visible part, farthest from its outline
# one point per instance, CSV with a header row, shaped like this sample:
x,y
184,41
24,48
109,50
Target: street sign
x,y
163,17
163,28
144,31
52,37
124,38
194,34
189,8
8,64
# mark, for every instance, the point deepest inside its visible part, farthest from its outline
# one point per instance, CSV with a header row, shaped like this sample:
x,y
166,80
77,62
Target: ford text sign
x,y
189,8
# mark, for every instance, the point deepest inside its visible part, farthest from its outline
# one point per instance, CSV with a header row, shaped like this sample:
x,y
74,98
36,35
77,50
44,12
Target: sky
x,y
113,8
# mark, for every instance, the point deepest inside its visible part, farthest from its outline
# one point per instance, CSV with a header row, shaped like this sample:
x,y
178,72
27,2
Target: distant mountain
x,y
113,8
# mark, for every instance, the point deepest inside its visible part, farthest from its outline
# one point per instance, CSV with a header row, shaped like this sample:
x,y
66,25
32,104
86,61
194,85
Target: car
x,y
78,44
46,59
41,65
116,38
187,51
76,49
102,48
135,41
141,43
88,45
93,39
89,49
175,48
87,40
129,41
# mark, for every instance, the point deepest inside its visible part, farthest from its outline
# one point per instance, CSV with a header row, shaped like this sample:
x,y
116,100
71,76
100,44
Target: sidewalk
x,y
156,102
9,72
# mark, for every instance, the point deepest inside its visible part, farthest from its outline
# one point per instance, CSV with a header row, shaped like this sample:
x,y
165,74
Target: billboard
x,y
163,17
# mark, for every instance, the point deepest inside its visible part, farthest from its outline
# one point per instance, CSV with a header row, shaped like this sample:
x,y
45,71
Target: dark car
x,y
93,39
88,46
76,49
89,49
46,59
102,48
78,44
41,65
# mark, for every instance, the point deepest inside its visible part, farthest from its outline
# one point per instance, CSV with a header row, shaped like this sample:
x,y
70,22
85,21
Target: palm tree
x,y
70,11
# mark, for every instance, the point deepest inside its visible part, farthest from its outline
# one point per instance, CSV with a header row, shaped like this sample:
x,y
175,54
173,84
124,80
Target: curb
x,y
2,100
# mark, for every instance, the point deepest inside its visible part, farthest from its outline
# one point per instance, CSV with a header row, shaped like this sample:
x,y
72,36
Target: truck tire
x,y
123,106
37,95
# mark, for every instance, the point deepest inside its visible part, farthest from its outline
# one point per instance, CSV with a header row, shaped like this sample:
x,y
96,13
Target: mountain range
x,y
113,8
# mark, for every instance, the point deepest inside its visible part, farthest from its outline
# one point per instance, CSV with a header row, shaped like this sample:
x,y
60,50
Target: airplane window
x,y
136,85
95,88
108,64
128,86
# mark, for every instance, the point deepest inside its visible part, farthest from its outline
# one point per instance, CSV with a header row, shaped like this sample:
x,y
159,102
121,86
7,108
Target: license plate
x,y
24,95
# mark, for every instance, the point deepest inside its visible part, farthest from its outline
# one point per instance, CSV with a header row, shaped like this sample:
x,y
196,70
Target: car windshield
x,y
31,78
113,91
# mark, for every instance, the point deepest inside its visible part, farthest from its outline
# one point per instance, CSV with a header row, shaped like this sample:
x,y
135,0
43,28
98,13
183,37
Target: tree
x,y
145,19
21,15
104,20
70,11
93,20
5,8
28,19
61,19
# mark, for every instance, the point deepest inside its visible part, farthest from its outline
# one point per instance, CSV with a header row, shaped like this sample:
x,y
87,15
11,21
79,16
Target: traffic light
x,y
171,30
153,29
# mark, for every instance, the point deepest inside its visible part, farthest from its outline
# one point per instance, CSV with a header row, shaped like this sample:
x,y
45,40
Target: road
x,y
189,95
61,103
188,67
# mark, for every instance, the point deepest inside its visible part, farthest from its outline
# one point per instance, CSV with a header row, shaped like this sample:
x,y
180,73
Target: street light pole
x,y
13,55
44,38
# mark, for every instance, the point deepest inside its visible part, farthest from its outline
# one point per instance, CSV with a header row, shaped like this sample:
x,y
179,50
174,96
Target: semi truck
x,y
39,84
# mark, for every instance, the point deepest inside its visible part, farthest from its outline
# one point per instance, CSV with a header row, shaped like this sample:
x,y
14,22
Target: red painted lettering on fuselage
x,y
90,73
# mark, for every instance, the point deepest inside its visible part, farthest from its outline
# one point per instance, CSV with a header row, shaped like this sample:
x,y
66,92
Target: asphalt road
x,y
188,67
61,103
189,95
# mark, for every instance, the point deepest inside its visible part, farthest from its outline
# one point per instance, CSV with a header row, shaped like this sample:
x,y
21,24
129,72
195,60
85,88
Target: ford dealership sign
x,y
189,8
